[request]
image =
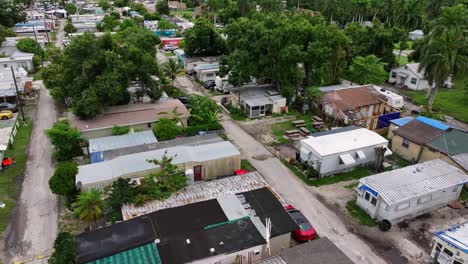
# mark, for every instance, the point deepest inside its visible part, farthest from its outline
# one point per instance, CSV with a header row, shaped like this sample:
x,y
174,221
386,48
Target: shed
x,y
97,146
341,150
207,161
258,100
410,191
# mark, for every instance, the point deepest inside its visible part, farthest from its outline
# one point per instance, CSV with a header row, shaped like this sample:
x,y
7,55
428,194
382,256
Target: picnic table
x,y
293,133
304,131
317,118
299,123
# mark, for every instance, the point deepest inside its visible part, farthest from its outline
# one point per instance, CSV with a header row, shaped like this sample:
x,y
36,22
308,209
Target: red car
x,y
305,232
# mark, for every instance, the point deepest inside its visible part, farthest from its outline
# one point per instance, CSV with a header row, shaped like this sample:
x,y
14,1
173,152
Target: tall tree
x,y
11,13
204,40
172,68
89,205
63,181
123,191
367,70
66,140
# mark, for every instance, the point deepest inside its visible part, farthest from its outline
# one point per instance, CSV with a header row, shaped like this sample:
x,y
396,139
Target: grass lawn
x,y
279,129
355,174
182,13
236,113
360,215
464,194
452,102
9,177
170,54
409,46
246,165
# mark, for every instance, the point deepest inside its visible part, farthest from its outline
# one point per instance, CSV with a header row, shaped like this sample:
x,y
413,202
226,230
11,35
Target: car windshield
x,y
301,220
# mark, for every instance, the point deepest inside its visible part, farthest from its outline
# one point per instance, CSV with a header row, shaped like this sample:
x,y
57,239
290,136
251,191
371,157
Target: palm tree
x,y
172,69
443,53
89,205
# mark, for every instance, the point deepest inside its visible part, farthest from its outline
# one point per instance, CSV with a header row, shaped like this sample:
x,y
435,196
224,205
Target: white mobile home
x,y
207,72
451,245
409,76
416,34
341,150
411,191
258,100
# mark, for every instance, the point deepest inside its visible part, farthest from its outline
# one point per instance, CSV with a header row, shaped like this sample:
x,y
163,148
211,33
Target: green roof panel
x,y
147,254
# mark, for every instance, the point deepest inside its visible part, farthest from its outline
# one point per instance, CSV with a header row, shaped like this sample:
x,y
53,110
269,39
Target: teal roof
x,y
147,254
452,142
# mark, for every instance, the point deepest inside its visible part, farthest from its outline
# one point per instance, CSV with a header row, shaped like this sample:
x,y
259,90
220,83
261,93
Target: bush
x,y
29,45
65,249
63,180
174,92
66,140
116,130
162,8
193,130
166,129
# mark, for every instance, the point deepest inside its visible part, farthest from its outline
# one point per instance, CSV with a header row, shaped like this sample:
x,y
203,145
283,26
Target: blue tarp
x,y
96,157
402,121
166,33
433,122
384,120
366,188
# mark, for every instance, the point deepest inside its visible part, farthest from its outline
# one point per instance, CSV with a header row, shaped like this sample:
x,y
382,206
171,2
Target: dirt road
x,y
34,225
60,34
294,191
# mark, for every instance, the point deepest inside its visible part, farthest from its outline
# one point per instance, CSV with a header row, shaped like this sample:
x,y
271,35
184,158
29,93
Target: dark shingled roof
x,y
319,251
452,142
204,224
418,132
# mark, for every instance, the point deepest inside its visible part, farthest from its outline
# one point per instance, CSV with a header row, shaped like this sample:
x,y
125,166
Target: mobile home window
x,y
405,143
425,199
403,206
414,80
393,74
374,201
448,252
367,196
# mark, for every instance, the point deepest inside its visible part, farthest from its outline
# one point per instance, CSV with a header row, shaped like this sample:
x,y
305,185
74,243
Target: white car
x,y
169,47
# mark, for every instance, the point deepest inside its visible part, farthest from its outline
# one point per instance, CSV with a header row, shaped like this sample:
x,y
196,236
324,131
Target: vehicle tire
x,y
4,118
385,225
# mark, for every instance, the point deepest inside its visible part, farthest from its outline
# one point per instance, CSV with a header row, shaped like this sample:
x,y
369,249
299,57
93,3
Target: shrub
x,y
166,129
63,180
66,140
116,130
173,91
65,249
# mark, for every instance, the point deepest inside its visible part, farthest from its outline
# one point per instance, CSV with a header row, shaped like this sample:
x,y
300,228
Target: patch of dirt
x,y
261,157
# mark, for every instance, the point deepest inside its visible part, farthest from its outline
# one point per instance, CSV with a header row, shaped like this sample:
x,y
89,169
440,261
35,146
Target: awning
x,y
388,152
368,189
361,154
347,159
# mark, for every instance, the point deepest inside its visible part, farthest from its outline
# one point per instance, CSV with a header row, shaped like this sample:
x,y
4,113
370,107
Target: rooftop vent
x,y
187,241
212,250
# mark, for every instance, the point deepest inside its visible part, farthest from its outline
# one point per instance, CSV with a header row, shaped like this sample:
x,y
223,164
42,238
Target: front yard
x,y
452,102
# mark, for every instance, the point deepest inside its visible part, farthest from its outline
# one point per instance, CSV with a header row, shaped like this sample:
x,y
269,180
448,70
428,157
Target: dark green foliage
x,y
6,32
123,191
66,140
204,40
104,4
95,72
204,111
116,130
160,185
11,13
65,249
71,8
166,129
162,8
69,28
109,22
30,45
63,180
164,24
174,92
121,3
367,70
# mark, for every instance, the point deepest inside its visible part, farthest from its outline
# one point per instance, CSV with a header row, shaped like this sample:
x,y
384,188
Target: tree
x,y
104,4
66,140
64,249
172,69
204,40
313,96
109,22
367,70
11,13
443,53
63,180
29,45
89,205
6,32
121,3
70,8
69,28
165,24
123,191
162,184
166,129
203,111
162,8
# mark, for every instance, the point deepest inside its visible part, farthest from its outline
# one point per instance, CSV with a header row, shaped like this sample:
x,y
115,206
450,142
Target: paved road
x,y
294,191
34,227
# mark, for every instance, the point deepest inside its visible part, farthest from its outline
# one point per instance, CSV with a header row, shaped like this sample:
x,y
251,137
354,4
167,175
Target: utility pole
x,y
18,97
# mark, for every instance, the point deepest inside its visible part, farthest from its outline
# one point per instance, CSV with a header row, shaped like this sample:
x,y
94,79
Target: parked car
x,y
305,232
6,114
9,106
169,47
209,84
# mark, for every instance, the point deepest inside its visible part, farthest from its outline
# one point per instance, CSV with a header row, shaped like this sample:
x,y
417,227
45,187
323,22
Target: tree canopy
x,y
66,140
367,70
204,40
64,249
162,8
89,205
11,13
166,129
63,181
96,72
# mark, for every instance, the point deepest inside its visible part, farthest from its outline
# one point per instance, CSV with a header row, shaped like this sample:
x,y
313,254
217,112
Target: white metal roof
x,y
342,142
124,165
122,141
456,236
413,181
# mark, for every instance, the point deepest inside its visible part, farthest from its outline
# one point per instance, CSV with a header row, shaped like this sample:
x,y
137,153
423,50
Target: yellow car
x,y
6,114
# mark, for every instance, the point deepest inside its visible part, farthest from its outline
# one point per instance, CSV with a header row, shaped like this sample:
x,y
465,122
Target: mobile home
x,y
410,191
451,245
